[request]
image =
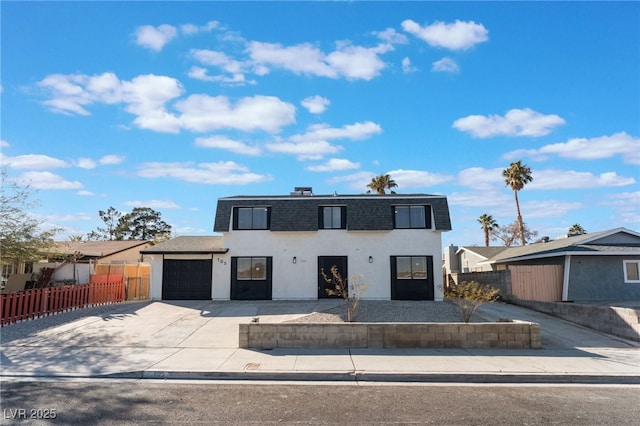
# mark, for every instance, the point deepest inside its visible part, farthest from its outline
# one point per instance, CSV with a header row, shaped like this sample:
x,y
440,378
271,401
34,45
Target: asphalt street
x,y
110,402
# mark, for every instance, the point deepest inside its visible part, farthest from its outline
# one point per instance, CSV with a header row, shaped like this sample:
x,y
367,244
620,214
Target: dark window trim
x,y
343,217
236,226
427,216
265,273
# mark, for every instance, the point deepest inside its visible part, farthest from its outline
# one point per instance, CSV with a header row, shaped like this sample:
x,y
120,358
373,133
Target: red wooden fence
x,y
40,302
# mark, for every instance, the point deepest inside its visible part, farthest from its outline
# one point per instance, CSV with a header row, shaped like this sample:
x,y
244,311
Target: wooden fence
x,y
41,302
537,282
137,276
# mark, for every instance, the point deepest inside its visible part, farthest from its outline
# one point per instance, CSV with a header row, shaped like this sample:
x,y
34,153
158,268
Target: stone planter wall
x,y
505,335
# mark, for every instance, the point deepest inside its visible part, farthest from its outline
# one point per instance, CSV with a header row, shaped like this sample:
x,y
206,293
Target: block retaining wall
x,y
622,322
506,335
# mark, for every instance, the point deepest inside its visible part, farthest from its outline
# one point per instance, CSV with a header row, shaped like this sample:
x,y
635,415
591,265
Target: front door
x,y
251,278
412,277
325,263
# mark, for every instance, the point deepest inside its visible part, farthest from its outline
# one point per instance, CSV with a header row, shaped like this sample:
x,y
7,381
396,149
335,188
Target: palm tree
x,y
488,225
577,229
381,183
517,176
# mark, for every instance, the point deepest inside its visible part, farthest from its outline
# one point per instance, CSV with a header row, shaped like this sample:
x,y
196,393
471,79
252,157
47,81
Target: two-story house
x,y
276,247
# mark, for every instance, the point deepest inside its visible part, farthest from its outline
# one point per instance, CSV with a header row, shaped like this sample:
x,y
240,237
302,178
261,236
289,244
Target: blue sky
x,y
173,105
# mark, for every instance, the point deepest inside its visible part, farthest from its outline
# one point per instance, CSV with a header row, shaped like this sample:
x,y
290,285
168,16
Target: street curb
x,y
350,376
393,377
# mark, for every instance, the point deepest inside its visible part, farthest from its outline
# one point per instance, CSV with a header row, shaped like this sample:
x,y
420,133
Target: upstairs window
x,y
333,217
251,218
631,271
410,217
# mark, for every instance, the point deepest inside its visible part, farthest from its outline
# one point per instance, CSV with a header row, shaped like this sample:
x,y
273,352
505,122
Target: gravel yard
x,y
392,311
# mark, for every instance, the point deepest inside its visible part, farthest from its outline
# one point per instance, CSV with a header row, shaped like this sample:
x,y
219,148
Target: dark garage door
x,y
186,279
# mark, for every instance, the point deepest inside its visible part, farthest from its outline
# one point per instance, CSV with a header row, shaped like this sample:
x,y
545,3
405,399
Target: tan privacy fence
x,y
537,282
137,277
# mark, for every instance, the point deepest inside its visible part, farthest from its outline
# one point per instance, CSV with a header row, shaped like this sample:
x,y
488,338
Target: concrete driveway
x,y
178,339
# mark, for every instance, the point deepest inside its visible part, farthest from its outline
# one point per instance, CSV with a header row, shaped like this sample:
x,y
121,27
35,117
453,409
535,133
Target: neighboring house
x,y
596,266
473,258
76,260
276,247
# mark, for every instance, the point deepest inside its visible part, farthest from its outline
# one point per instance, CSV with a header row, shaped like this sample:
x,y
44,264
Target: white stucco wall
x,y
300,280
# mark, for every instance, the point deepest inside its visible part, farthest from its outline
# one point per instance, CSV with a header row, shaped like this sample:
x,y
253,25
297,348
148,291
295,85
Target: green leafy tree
x,y
142,223
380,184
469,296
577,229
22,238
111,218
488,226
516,177
349,292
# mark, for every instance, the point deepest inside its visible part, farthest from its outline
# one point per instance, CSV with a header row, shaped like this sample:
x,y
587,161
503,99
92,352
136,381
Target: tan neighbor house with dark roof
x,y
86,254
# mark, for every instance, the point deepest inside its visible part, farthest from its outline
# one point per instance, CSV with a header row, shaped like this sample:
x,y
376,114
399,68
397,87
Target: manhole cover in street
x,y
252,366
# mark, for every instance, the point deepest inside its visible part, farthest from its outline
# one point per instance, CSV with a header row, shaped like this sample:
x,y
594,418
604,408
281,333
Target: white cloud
x,y
316,104
111,159
155,38
238,79
569,179
220,173
598,148
485,199
32,162
390,35
314,144
480,178
72,217
407,67
306,150
626,206
85,193
146,97
455,36
154,204
356,181
334,165
86,163
194,29
356,131
218,59
516,122
203,113
348,61
417,178
47,180
548,208
445,64
228,144
4,144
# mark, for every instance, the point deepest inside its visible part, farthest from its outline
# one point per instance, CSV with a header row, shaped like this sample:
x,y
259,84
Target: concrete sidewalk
x,y
199,340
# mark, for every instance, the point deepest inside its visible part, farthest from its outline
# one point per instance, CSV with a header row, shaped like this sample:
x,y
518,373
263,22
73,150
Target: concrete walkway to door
x,y
200,340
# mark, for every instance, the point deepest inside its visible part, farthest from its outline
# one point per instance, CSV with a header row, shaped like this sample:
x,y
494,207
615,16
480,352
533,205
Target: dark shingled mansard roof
x,y
365,212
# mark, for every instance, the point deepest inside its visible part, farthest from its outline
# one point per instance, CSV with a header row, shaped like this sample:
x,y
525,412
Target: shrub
x,y
469,295
349,292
